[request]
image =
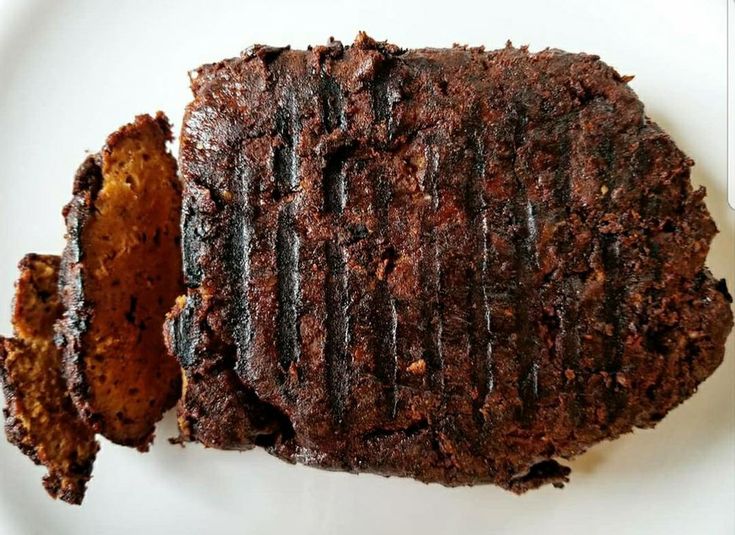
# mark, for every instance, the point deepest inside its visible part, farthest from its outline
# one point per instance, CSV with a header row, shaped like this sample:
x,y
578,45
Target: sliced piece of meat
x,y
455,265
120,273
40,417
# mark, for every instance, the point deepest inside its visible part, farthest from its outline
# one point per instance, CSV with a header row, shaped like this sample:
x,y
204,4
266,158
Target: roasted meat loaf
x,y
455,265
120,272
103,304
40,417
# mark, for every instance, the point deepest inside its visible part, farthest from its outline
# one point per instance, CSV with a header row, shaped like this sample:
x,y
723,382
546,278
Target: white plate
x,y
73,71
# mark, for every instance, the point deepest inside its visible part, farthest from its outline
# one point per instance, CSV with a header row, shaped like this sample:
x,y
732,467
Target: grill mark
x,y
384,318
285,157
334,182
641,167
614,291
184,331
361,248
384,96
568,323
567,340
614,295
385,323
382,111
431,316
336,351
240,250
479,310
524,242
613,300
262,368
487,356
382,108
528,379
286,176
192,242
430,272
454,262
288,344
332,102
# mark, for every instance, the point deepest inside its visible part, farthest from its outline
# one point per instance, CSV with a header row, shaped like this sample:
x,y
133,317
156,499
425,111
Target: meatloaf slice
x,y
456,265
40,417
120,273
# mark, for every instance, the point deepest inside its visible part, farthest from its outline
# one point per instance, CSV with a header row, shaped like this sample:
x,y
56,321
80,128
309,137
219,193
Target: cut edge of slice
x,y
120,272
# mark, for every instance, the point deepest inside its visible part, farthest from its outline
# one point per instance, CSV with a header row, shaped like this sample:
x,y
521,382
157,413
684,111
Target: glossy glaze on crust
x,y
120,272
40,418
454,265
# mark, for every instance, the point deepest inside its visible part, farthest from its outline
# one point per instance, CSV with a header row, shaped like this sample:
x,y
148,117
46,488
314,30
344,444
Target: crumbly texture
x,y
40,418
456,265
121,271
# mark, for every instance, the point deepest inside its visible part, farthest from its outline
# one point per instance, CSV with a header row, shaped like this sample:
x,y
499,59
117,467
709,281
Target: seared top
x,y
450,264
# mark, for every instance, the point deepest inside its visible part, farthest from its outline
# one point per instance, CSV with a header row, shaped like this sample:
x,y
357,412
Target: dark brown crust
x,y
454,265
87,182
78,311
32,428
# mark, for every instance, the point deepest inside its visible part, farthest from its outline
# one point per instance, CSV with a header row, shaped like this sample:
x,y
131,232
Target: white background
x,y
731,107
73,71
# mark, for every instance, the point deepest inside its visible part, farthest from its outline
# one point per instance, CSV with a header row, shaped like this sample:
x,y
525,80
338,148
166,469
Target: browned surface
x,y
39,417
454,265
120,274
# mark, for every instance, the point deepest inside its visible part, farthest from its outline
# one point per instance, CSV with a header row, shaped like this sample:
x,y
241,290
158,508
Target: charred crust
x,y
77,310
87,180
542,473
133,129
721,286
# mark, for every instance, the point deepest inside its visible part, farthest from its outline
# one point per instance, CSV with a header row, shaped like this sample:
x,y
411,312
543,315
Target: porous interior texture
x,y
40,416
132,274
